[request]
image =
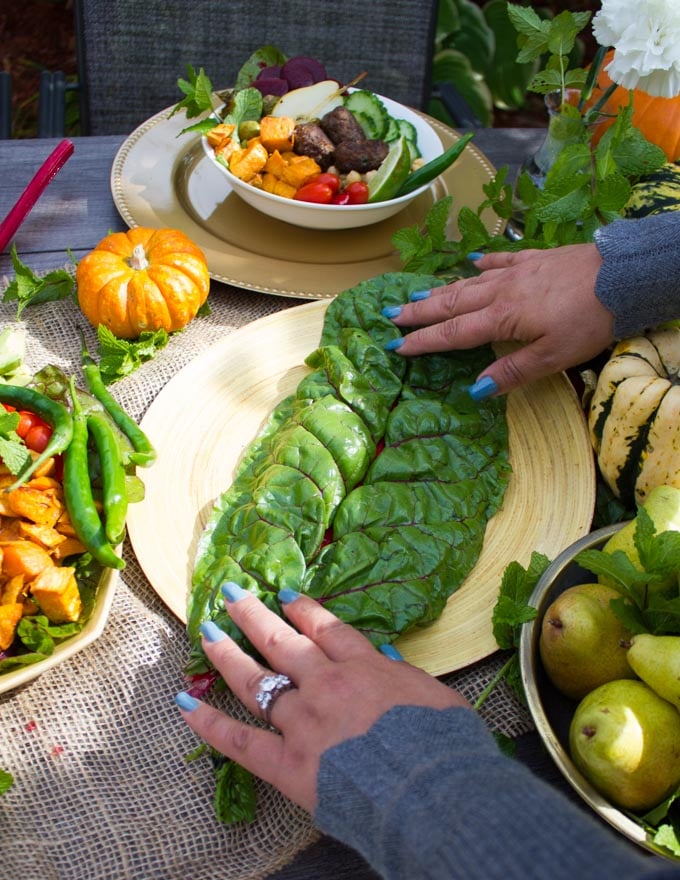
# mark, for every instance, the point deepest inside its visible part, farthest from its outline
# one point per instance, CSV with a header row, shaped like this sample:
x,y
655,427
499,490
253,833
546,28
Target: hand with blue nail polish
x,y
544,299
342,686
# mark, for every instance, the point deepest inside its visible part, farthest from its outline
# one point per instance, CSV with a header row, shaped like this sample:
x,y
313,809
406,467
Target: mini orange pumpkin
x,y
142,279
657,118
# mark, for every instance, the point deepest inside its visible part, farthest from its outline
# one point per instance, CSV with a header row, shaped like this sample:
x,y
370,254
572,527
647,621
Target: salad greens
x,y
369,488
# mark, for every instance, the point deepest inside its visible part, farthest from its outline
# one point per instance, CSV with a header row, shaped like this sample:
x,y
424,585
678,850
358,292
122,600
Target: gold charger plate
x,y
161,179
208,413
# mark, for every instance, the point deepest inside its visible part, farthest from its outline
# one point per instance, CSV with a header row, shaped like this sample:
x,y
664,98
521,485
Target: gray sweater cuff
x,y
639,280
427,794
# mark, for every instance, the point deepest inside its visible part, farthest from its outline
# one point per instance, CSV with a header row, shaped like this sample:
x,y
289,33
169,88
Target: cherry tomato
x,y
9,407
357,192
331,180
341,198
320,193
26,421
38,437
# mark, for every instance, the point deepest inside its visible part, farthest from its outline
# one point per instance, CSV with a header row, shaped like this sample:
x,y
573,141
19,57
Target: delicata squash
x,y
634,416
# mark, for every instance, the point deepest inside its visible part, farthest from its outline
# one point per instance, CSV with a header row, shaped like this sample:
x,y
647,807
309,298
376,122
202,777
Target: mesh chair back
x,y
131,53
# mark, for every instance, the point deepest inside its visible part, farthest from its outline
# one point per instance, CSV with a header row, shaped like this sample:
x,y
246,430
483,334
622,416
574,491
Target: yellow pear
x,y
656,659
663,506
583,644
625,740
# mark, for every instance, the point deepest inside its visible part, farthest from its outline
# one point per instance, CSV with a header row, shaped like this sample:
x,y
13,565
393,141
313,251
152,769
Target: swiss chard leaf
x,y
235,799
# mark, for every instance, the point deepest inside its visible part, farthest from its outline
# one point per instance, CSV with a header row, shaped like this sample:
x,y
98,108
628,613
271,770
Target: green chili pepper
x,y
435,167
144,454
80,504
55,414
114,492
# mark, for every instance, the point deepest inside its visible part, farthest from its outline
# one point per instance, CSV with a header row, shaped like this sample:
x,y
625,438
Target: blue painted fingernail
x,y
475,255
418,295
391,311
286,596
211,631
186,702
391,652
394,344
485,387
232,592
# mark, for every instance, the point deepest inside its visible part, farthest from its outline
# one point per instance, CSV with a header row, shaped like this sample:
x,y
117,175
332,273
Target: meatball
x,y
310,140
361,156
341,126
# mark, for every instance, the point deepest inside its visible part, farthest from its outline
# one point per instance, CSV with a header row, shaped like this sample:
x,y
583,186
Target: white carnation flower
x,y
645,35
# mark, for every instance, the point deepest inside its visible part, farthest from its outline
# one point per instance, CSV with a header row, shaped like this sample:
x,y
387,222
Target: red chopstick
x,y
33,191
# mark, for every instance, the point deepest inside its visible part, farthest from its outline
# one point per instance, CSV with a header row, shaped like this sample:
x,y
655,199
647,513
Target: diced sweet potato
x,y
10,615
65,526
299,170
68,547
220,133
14,590
45,536
273,184
24,557
56,591
245,164
35,504
276,132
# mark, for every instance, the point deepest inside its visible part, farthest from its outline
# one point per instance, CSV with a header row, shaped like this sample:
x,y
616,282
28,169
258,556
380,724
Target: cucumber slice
x,y
369,112
392,130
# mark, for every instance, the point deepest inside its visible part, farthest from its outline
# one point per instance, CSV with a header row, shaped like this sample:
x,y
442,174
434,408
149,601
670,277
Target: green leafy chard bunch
x,y
574,186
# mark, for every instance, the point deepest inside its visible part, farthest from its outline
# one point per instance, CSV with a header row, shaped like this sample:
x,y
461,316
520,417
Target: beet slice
x,y
271,86
302,71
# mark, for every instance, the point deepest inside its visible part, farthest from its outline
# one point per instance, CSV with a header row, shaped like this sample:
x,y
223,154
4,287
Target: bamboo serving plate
x,y
208,413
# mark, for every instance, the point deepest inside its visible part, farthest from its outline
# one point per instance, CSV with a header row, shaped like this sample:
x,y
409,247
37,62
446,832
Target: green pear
x,y
663,506
583,644
625,740
656,659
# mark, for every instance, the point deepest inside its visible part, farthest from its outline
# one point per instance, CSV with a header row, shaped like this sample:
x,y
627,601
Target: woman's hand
x,y
543,298
342,685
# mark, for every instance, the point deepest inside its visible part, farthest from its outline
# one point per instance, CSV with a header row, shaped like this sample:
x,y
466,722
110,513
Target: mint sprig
x,y
29,289
120,357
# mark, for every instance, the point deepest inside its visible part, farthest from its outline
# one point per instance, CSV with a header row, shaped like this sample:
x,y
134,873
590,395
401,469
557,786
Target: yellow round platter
x,y
209,412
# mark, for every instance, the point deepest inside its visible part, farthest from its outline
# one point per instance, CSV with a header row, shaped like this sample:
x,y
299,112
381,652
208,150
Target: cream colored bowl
x,y
314,216
551,711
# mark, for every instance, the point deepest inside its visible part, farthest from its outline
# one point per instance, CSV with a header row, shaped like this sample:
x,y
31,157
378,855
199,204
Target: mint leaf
x,y
235,798
29,289
512,609
13,451
198,92
120,357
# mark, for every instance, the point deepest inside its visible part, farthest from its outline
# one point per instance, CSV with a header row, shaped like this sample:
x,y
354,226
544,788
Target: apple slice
x,y
310,102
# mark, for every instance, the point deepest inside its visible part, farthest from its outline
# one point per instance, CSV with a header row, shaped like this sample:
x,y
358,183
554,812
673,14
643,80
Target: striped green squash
x,y
655,192
634,416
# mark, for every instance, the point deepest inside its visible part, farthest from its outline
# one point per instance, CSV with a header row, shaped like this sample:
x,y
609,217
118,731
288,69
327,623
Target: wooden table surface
x,y
74,214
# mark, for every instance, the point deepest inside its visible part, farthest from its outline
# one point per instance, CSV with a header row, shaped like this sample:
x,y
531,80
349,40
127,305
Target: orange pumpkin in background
x,y
142,280
657,118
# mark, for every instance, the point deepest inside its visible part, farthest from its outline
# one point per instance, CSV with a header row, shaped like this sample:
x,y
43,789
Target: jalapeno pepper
x,y
434,167
80,504
144,454
114,493
55,414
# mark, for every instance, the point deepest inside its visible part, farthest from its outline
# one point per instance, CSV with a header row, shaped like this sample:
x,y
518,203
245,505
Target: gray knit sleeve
x,y
427,795
639,280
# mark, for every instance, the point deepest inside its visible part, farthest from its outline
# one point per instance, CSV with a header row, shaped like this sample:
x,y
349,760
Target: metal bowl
x,y
551,711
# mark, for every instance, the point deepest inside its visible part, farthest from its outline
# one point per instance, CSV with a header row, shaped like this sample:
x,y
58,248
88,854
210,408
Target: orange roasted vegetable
x,y
142,280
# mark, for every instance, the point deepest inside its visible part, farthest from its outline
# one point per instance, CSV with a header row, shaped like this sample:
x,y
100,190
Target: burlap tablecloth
x,y
97,748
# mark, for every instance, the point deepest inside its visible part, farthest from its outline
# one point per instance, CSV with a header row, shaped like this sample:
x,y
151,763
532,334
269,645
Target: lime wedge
x,y
389,178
